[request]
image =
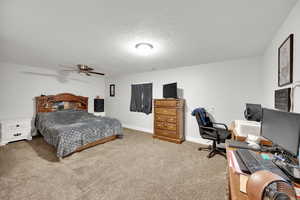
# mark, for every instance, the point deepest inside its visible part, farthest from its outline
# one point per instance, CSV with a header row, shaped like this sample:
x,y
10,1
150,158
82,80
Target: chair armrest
x,y
211,131
221,124
209,128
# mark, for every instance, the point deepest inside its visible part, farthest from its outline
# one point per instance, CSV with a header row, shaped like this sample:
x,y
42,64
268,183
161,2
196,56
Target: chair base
x,y
213,150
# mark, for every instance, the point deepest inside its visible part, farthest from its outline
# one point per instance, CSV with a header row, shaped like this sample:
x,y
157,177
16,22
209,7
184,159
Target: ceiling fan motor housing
x,y
84,67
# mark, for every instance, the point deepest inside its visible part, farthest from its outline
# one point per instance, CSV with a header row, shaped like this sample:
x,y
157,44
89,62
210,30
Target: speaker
x,y
98,105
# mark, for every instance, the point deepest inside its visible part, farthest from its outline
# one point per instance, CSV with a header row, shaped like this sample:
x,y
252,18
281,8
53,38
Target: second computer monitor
x,y
282,128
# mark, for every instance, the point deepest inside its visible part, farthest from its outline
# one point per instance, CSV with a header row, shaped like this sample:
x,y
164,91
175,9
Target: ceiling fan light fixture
x,y
144,48
144,45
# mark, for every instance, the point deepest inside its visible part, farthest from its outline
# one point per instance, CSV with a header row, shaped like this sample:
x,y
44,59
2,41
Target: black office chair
x,y
210,130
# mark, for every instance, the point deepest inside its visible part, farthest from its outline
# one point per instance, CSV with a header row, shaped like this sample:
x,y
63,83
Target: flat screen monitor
x,y
282,128
170,90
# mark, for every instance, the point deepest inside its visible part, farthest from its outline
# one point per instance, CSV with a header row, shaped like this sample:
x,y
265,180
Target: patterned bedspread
x,y
69,129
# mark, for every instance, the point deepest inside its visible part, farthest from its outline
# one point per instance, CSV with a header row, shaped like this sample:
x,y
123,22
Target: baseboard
x,y
187,138
197,140
192,139
138,128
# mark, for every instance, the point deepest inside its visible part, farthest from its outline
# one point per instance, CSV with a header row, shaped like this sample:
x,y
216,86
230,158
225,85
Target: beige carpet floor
x,y
134,168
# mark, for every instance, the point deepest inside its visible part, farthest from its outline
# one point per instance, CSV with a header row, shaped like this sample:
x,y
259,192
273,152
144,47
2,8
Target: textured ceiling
x,y
104,32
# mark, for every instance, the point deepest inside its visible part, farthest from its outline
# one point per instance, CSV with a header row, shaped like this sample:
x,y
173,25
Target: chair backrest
x,y
202,121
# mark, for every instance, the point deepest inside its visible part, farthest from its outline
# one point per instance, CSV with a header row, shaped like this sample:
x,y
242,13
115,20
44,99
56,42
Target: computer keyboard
x,y
241,163
249,160
254,162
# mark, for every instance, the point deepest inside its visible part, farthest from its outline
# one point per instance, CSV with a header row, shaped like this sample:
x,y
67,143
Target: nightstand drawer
x,y
16,125
18,136
23,131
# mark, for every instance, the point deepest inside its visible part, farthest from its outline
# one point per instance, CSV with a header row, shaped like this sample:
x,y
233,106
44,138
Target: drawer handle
x,y
17,134
17,125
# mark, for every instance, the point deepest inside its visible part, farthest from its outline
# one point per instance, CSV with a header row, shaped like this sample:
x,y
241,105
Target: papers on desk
x,y
243,183
235,166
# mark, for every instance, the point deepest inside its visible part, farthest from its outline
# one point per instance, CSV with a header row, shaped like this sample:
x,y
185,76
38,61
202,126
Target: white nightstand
x,y
14,130
102,114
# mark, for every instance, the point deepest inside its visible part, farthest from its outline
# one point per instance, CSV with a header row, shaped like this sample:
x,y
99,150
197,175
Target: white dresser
x,y
14,130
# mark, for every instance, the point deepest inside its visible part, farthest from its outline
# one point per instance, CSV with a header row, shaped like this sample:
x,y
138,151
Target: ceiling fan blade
x,y
69,70
69,66
97,73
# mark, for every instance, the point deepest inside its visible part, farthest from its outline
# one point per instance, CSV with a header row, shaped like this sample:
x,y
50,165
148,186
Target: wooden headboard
x,y
47,103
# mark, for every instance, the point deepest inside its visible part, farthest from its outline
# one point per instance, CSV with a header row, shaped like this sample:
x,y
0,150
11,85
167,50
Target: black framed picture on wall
x,y
112,90
285,61
283,99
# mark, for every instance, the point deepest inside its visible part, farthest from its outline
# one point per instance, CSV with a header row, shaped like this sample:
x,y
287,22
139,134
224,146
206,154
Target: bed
x,y
64,122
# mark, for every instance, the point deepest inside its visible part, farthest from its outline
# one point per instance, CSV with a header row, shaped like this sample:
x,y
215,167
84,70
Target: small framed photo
x,y
112,90
285,61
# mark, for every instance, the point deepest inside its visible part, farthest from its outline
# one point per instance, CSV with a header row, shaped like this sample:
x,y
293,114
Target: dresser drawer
x,y
166,126
166,118
165,103
166,133
166,111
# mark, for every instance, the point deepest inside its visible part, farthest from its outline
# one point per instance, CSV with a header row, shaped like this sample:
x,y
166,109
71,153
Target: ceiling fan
x,y
85,69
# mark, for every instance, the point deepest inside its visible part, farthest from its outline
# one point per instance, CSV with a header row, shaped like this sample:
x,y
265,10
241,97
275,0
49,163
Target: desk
x,y
234,183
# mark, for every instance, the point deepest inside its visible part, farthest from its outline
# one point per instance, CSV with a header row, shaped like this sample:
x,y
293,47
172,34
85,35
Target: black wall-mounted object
x,y
283,99
98,105
112,89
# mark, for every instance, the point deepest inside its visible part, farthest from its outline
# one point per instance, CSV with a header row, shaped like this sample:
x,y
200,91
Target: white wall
x,y
223,88
20,84
270,58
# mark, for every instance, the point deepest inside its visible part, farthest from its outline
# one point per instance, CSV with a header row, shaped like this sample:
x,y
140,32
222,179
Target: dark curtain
x,y
141,98
136,100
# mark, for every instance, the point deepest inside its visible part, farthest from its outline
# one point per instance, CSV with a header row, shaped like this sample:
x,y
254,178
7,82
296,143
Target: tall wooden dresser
x,y
169,120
